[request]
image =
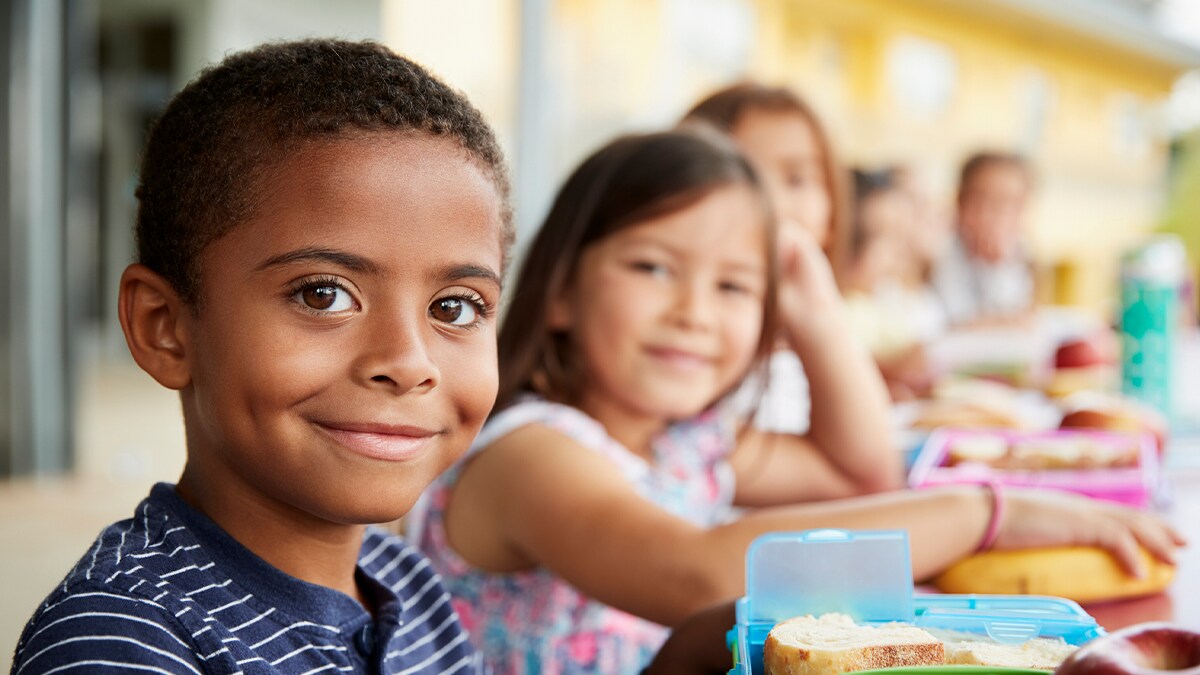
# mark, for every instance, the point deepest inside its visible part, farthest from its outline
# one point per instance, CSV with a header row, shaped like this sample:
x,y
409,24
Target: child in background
x,y
821,381
984,278
891,310
593,509
322,229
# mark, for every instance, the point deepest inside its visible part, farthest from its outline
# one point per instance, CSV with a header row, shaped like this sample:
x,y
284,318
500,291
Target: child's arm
x,y
697,645
848,449
537,498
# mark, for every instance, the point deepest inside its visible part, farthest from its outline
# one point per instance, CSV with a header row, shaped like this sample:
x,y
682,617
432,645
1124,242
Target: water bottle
x,y
1152,277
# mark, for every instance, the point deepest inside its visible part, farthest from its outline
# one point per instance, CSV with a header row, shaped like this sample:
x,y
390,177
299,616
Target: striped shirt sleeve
x,y
91,631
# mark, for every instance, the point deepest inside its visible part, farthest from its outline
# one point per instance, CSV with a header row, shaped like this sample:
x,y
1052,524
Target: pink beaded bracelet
x,y
993,526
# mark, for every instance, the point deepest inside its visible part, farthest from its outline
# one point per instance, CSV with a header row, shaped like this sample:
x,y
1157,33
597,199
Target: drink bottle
x,y
1152,277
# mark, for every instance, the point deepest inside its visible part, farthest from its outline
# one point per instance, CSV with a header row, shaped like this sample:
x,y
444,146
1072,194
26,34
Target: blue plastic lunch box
x,y
868,576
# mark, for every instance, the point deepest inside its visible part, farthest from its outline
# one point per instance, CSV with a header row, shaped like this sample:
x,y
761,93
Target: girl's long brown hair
x,y
632,179
726,107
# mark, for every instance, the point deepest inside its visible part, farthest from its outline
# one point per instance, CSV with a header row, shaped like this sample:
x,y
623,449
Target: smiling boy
x,y
322,230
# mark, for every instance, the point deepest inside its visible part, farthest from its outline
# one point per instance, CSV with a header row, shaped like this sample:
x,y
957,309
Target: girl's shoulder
x,y
569,421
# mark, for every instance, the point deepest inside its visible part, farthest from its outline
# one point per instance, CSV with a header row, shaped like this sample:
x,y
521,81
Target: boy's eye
x,y
325,298
454,311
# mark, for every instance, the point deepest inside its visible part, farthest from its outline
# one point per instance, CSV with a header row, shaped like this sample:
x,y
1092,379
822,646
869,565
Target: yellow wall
x,y
621,65
1098,190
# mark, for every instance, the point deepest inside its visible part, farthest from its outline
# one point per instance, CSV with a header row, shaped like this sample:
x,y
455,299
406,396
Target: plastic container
x,y
867,575
1134,486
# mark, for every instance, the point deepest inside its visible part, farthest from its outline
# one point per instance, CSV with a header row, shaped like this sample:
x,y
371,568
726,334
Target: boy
x,y
985,278
321,231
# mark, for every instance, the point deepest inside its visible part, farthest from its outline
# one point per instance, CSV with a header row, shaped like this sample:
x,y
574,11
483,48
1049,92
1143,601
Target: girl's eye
x,y
324,297
651,268
733,287
455,311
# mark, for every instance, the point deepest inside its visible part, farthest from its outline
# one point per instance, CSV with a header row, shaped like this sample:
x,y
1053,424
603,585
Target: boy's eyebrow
x,y
350,261
458,272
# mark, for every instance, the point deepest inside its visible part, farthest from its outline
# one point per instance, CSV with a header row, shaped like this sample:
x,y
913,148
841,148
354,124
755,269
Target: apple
x,y
1084,352
1143,649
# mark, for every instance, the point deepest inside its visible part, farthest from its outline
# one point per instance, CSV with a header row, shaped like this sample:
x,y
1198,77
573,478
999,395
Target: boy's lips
x,y
380,441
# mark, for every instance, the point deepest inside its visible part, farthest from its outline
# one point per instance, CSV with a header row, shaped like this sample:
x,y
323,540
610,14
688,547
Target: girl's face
x,y
784,148
665,315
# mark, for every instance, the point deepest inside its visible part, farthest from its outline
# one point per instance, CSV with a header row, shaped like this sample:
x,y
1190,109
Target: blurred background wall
x,y
1099,93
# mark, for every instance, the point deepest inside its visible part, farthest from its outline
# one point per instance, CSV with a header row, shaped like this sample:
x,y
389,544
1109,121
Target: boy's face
x,y
990,209
344,350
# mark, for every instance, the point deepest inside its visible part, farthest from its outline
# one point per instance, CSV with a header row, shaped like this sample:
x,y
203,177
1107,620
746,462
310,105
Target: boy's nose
x,y
396,355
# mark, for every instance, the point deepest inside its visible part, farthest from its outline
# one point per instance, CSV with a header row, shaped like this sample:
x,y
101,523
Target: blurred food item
x,y
1080,573
1096,349
1039,653
1064,382
1149,648
1083,363
1038,454
966,403
934,414
1090,410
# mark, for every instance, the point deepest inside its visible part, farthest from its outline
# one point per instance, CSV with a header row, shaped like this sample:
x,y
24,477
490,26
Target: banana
x,y
1080,573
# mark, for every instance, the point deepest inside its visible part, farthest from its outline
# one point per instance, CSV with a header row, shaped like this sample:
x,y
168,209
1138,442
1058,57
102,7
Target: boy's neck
x,y
294,542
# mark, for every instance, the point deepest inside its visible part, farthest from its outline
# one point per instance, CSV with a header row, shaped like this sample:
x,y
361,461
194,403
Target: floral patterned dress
x,y
533,621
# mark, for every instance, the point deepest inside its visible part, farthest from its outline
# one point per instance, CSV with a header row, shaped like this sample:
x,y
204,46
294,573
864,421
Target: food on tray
x,y
934,414
1143,649
833,643
1080,573
962,402
1039,653
1036,454
1112,413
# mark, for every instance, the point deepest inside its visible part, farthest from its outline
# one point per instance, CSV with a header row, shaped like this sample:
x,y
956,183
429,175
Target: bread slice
x,y
835,644
1039,653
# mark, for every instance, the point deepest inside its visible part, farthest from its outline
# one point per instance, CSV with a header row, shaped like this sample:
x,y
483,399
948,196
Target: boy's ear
x,y
153,320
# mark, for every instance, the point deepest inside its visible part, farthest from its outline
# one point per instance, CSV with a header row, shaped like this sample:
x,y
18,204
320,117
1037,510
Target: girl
x,y
592,509
827,385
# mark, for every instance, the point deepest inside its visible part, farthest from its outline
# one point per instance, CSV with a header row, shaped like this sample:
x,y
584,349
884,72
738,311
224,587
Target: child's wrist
x,y
992,531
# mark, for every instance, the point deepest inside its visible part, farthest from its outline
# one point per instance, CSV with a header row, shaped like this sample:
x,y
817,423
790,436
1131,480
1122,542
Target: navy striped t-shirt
x,y
169,591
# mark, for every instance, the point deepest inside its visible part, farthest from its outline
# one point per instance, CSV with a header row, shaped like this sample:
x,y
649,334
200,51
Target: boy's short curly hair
x,y
218,137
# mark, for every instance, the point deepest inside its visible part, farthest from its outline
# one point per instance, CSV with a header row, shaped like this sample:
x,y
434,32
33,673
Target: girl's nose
x,y
395,354
695,305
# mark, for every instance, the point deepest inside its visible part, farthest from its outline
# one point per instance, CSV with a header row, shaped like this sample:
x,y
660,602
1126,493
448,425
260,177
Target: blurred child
x,y
821,381
321,233
891,310
593,508
985,276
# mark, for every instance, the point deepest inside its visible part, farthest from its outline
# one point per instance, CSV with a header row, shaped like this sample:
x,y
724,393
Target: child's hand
x,y
1033,519
698,644
808,294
